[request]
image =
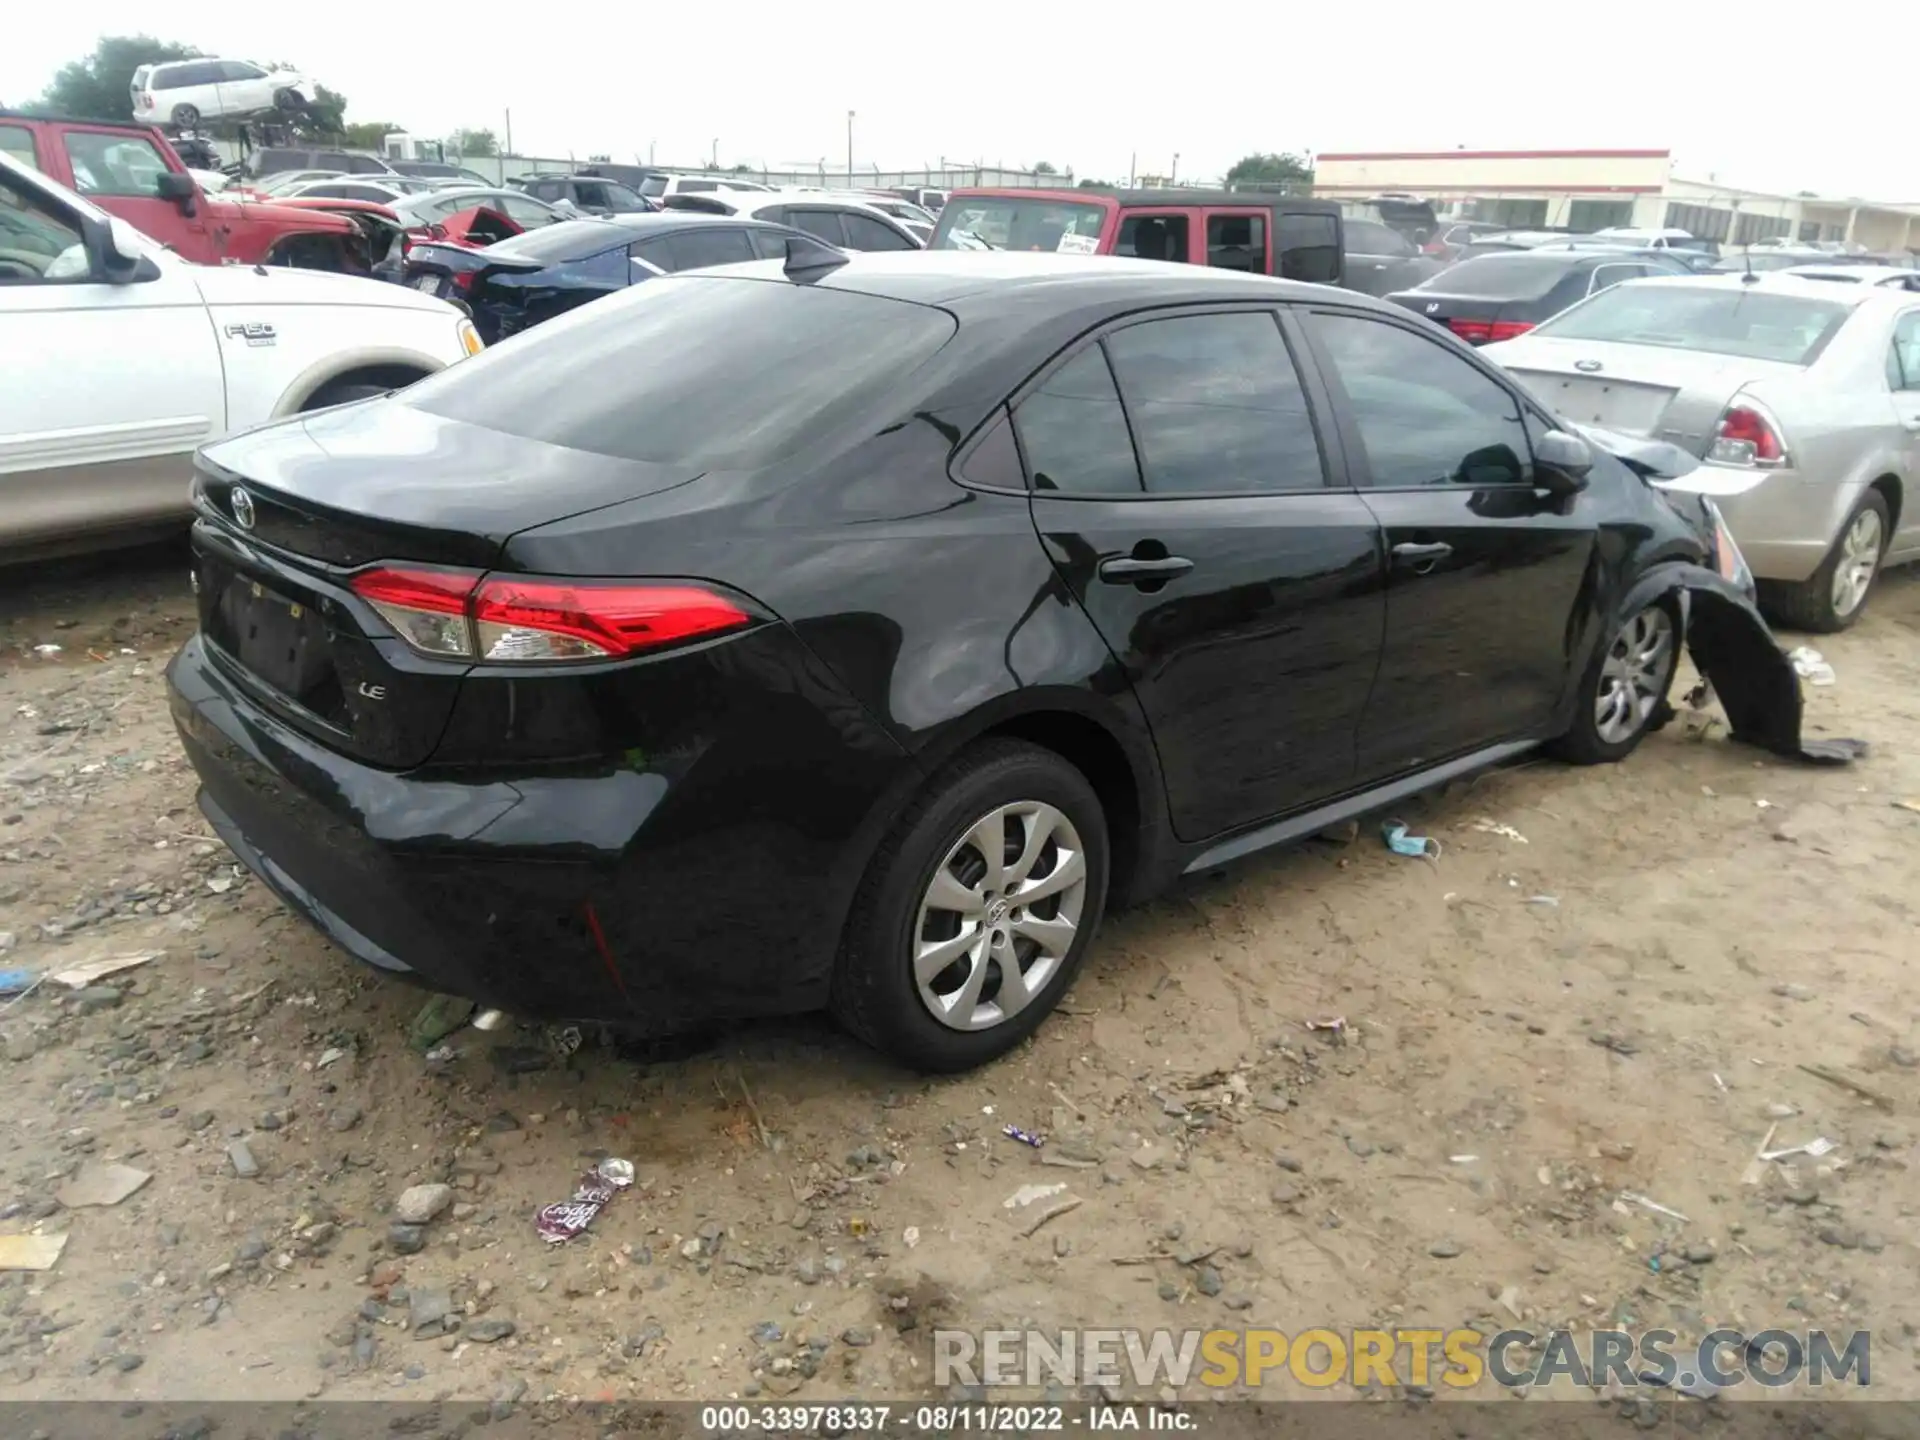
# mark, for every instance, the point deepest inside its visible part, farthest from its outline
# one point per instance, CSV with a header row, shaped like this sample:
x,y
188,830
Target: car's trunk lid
x,y
1666,394
287,514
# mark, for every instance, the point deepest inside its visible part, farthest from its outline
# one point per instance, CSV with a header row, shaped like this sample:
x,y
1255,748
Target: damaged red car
x,y
855,631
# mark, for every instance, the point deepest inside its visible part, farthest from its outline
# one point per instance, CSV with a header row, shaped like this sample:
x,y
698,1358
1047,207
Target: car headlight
x,y
1727,559
470,340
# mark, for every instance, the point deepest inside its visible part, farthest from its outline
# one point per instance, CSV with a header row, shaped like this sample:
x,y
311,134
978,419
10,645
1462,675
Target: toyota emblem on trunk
x,y
1586,367
242,504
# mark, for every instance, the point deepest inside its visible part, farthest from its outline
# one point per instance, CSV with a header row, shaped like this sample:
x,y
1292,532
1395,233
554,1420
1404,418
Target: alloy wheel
x,y
999,916
1859,559
1634,675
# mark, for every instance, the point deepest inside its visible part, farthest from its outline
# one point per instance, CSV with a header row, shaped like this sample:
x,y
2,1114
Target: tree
x,y
99,87
326,114
1094,185
1043,167
1269,169
475,142
369,134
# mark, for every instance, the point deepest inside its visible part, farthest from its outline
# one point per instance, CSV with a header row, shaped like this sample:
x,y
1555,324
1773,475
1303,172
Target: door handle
x,y
1415,554
1126,570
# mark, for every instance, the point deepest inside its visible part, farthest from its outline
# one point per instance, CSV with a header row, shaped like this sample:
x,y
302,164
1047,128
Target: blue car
x,y
518,282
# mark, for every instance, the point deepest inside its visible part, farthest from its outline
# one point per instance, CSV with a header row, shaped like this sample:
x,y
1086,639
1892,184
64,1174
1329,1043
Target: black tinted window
x,y
1308,246
718,374
1074,432
995,460
1366,238
1426,416
866,233
701,248
1237,242
694,187
656,254
589,195
1216,405
823,223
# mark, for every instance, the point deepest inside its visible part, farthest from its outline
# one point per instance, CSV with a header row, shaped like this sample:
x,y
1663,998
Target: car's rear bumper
x,y
1784,520
636,897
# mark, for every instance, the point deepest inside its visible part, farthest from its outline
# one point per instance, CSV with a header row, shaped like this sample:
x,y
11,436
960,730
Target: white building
x,y
1592,189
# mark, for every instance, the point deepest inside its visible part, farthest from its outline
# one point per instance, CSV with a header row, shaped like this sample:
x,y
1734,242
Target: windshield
x,y
1003,222
1755,325
728,374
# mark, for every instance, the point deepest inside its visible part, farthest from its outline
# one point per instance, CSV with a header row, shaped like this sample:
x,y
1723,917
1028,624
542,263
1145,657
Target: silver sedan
x,y
1800,396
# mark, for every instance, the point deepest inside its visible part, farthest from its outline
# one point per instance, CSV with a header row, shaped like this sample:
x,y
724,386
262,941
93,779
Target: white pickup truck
x,y
118,359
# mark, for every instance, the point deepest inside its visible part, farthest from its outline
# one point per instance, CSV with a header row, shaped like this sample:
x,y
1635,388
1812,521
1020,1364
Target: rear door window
x,y
1308,247
1903,357
725,374
16,143
589,195
1153,237
1364,237
1216,404
654,253
1237,242
866,233
1074,432
824,224
698,249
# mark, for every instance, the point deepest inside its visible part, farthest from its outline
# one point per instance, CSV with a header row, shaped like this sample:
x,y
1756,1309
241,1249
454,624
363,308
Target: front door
x,y
114,451
1181,489
120,173
1486,570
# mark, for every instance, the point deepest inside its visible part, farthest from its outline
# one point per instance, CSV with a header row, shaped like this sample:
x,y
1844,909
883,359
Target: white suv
x,y
183,93
120,358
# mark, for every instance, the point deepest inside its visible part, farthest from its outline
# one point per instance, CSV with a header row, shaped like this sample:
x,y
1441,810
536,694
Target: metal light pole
x,y
713,162
508,149
1175,174
849,149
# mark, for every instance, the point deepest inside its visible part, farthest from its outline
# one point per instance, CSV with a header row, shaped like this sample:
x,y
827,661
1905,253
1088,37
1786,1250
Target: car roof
x,y
980,280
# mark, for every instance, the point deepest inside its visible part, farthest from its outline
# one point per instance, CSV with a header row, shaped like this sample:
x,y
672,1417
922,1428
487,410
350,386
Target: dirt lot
x,y
1537,1030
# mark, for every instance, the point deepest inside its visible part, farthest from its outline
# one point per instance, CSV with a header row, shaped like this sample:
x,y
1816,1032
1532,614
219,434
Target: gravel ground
x,y
1603,988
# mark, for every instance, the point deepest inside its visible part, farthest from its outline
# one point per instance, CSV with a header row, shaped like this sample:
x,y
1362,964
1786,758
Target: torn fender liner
x,y
1756,682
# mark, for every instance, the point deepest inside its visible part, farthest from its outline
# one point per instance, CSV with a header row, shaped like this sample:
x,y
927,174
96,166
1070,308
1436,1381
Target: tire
x,y
337,394
1622,691
1047,810
185,117
289,100
1823,604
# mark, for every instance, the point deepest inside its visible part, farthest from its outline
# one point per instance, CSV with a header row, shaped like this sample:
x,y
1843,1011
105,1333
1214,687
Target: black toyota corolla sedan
x,y
855,633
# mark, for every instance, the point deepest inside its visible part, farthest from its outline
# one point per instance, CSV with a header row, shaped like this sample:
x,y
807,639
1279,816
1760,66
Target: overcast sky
x,y
1788,104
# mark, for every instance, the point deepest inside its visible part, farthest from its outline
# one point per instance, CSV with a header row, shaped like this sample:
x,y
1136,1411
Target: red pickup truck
x,y
131,171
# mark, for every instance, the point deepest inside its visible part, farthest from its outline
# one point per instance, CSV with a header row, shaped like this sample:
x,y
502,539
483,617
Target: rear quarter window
x,y
728,374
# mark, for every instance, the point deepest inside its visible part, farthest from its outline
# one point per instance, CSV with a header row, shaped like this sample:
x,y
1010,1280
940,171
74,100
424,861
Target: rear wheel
x,y
185,117
289,100
1837,592
977,911
1623,689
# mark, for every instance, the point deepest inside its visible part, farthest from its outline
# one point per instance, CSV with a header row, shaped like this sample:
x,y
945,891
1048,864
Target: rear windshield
x,y
1515,275
1754,324
1002,222
725,374
566,240
654,186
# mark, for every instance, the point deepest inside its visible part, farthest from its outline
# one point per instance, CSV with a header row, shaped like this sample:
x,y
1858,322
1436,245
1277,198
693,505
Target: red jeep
x,y
1297,239
131,171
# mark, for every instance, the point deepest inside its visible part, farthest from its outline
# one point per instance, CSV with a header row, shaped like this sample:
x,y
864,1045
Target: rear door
x,y
866,233
700,249
1158,232
1180,485
1308,246
1486,570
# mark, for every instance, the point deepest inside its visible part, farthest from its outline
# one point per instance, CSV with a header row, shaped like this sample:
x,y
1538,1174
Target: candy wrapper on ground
x,y
560,1223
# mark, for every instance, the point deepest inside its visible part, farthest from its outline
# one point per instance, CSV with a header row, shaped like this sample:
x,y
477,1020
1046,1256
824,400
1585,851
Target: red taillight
x,y
1474,332
510,620
1508,329
463,280
1746,436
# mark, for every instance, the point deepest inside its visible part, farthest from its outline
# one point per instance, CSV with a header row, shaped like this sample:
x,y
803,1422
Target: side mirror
x,y
180,188
1561,462
114,253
